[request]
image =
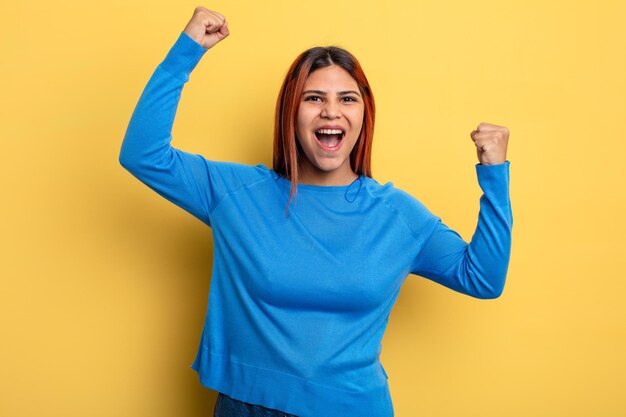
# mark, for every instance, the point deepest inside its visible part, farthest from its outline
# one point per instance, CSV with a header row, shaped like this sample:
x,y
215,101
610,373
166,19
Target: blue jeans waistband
x,y
226,406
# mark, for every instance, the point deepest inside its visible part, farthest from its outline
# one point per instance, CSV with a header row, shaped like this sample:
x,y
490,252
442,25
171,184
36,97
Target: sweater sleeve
x,y
181,177
479,268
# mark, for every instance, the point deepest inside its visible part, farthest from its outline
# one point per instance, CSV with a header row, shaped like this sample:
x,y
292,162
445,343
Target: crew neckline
x,y
321,188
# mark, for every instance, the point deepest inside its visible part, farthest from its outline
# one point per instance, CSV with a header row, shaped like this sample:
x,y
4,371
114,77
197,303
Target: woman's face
x,y
329,122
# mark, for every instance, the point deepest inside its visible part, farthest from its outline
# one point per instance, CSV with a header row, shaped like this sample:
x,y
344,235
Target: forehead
x,y
330,78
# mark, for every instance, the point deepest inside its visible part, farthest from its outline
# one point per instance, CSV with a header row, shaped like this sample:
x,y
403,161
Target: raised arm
x,y
479,268
181,177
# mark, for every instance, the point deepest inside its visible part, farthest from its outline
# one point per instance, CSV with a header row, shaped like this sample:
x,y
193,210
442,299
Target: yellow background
x,y
104,283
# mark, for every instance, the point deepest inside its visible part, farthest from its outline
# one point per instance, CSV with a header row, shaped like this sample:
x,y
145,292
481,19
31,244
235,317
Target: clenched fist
x,y
207,27
491,142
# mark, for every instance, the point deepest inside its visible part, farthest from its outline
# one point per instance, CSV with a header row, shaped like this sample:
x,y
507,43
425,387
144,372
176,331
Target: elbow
x,y
487,283
122,160
128,156
126,162
132,166
490,295
492,291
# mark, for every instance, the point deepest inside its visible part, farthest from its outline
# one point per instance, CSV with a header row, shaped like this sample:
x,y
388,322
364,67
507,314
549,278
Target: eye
x,y
313,98
350,99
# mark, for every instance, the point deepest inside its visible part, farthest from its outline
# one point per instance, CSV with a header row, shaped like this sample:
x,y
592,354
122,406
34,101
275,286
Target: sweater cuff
x,y
494,180
183,57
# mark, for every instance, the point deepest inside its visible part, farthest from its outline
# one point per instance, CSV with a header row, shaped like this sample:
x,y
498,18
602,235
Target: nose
x,y
330,110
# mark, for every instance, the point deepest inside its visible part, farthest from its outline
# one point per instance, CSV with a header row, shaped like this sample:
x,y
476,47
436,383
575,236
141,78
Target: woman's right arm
x,y
181,177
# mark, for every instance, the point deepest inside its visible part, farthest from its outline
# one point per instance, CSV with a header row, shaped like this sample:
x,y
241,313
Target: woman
x,y
309,256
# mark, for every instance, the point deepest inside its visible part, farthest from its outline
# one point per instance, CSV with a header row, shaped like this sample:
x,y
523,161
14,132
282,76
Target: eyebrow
x,y
341,93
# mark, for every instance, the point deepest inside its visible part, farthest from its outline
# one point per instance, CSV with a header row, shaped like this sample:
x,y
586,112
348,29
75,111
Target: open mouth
x,y
329,139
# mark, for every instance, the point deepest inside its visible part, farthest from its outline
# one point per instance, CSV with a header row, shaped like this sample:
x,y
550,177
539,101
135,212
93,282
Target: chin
x,y
328,167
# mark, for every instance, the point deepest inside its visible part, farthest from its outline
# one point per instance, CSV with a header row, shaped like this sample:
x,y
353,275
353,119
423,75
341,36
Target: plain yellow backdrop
x,y
104,283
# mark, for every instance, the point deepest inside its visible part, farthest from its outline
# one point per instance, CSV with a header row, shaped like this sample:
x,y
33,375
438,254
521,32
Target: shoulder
x,y
417,217
393,196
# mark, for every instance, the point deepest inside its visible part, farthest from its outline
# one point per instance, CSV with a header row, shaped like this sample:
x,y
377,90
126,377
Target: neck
x,y
309,175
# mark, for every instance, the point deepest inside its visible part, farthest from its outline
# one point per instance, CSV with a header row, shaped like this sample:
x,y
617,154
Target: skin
x,y
330,97
321,167
207,27
491,143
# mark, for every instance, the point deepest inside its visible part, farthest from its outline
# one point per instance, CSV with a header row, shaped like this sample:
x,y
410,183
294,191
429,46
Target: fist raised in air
x,y
207,27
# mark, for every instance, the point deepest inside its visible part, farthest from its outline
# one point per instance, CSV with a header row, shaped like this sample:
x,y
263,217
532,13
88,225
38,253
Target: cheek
x,y
302,122
357,119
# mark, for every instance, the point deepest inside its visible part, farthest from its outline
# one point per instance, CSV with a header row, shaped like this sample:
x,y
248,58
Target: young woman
x,y
310,255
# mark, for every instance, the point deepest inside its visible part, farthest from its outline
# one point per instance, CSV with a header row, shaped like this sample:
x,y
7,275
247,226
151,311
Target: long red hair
x,y
287,151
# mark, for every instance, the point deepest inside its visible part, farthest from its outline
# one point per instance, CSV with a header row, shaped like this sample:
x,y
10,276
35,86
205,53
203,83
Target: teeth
x,y
330,131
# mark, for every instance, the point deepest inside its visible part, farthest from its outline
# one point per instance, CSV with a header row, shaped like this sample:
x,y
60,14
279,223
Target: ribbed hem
x,y
494,180
183,57
285,392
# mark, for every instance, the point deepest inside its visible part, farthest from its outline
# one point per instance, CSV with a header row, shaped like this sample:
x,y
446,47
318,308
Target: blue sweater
x,y
299,303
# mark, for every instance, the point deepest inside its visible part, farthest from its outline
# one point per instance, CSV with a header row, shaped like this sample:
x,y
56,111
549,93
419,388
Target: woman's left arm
x,y
479,268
